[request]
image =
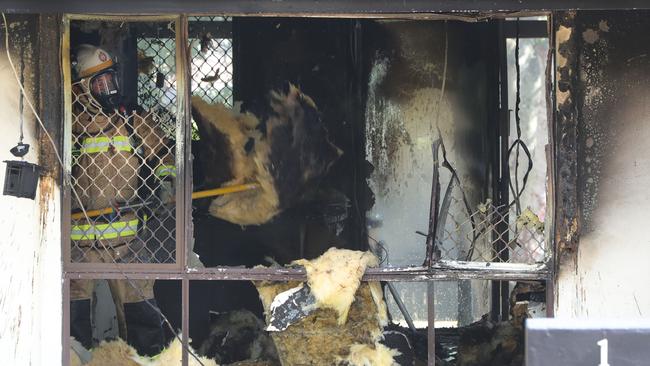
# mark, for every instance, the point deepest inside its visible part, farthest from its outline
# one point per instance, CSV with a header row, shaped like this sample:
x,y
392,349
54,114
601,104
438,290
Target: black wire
x,y
519,144
445,162
21,104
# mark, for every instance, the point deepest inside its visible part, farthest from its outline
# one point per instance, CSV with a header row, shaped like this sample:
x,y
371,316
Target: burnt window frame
x,y
500,273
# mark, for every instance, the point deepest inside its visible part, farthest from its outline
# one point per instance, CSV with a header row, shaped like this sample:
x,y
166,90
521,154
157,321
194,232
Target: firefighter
x,y
113,148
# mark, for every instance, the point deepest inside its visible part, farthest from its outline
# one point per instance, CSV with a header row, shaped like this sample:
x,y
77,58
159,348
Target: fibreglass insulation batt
x,y
335,276
318,339
285,150
74,359
366,355
118,353
321,338
224,126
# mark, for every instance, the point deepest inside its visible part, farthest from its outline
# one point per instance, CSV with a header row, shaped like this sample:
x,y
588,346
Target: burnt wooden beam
x,y
567,215
306,7
50,89
441,270
527,29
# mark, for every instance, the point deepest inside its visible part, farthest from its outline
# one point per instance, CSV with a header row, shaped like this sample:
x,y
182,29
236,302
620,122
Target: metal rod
x,y
66,322
183,210
432,254
66,188
185,313
431,327
501,188
224,190
441,270
334,8
401,306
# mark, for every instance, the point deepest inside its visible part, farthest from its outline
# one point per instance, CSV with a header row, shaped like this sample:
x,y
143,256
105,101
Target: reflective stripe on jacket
x,y
165,171
111,230
93,145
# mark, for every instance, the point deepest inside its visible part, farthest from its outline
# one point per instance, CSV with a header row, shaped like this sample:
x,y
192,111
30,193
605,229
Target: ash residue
x,y
385,129
597,94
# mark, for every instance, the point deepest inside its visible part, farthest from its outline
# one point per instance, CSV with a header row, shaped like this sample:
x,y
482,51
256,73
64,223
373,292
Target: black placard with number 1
x,y
571,342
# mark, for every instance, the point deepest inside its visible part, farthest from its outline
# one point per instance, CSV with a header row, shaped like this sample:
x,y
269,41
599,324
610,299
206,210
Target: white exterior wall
x,y
610,277
30,246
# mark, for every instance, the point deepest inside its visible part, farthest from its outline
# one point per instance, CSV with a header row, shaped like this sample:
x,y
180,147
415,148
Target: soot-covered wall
x,y
607,274
406,64
30,247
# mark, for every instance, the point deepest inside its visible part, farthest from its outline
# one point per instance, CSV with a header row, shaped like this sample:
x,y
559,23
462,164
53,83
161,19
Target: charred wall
x,y
405,105
30,247
611,96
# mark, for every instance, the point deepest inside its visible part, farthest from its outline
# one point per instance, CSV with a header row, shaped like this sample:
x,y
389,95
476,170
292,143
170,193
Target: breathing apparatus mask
x,y
97,86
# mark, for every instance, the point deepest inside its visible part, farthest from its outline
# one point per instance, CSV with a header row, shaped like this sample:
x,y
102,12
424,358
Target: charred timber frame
x,y
565,136
422,9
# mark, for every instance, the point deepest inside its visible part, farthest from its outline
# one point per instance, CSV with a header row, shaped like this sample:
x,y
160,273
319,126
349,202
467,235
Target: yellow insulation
x,y
347,325
118,353
334,277
366,355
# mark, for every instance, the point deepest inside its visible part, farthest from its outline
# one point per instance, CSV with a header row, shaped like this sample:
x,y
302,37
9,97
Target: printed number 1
x,y
603,352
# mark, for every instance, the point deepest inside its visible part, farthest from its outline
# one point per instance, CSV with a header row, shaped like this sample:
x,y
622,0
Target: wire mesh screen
x,y
123,153
490,233
157,80
211,63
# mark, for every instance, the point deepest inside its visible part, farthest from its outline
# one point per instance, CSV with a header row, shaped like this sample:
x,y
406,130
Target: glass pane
x,y
458,303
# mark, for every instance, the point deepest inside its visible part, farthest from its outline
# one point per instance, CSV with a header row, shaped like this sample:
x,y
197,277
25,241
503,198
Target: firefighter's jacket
x,y
113,155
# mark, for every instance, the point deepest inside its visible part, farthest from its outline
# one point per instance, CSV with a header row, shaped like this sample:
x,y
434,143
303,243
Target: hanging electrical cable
x,y
21,149
68,182
454,180
518,145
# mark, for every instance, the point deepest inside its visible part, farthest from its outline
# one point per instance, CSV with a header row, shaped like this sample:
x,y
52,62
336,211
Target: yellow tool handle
x,y
92,213
223,190
195,195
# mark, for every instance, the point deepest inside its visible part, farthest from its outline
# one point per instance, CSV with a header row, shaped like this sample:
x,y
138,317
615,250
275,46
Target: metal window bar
x,y
529,249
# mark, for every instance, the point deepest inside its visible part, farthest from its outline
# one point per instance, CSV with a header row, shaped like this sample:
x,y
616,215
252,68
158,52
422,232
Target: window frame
x,y
440,270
